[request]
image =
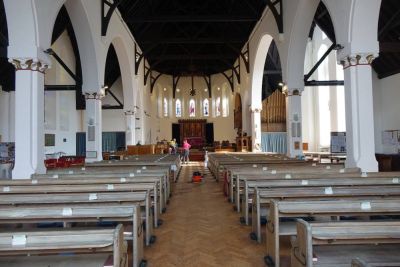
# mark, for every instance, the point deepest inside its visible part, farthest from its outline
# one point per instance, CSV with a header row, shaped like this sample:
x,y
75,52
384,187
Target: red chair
x,y
50,163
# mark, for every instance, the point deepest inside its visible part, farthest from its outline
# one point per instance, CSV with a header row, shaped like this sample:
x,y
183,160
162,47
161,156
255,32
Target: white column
x,y
130,127
94,127
29,117
360,139
293,122
256,128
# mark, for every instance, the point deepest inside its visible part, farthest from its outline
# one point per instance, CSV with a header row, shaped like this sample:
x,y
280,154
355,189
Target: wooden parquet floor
x,y
201,229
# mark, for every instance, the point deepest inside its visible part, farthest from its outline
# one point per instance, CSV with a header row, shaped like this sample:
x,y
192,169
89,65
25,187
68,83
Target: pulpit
x,y
243,143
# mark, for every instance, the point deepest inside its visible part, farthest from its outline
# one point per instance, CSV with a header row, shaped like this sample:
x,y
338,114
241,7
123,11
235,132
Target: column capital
x,y
255,110
94,95
358,59
32,64
129,112
292,91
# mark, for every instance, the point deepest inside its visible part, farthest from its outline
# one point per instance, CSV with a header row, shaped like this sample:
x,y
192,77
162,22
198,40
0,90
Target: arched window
x,y
206,108
178,108
218,107
192,108
225,107
165,107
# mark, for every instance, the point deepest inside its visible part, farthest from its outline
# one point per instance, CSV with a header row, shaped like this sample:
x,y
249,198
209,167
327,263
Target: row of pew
x,y
106,211
331,215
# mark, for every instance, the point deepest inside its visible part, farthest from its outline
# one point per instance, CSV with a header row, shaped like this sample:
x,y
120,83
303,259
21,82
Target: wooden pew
x,y
96,199
353,205
164,184
265,197
90,189
170,161
113,171
336,243
287,173
159,198
337,180
358,262
61,241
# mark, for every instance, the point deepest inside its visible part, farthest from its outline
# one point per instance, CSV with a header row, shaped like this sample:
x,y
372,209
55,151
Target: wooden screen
x,y
192,128
273,115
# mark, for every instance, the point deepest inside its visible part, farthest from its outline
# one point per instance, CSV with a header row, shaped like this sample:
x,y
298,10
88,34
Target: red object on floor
x,y
197,178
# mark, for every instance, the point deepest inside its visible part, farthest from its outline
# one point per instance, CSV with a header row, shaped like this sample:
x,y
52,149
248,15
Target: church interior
x,y
199,133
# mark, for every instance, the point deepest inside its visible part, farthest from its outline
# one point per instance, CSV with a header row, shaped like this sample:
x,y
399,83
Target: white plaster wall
x,y
162,126
113,120
386,109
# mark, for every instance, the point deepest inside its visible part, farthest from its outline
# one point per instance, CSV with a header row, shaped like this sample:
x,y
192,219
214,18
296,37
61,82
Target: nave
x,y
201,229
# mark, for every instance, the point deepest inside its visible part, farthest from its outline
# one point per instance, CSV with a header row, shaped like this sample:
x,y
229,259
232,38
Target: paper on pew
x,y
342,170
144,168
34,181
273,172
6,189
328,167
83,169
18,240
55,176
254,165
92,196
139,171
110,187
364,174
123,179
328,191
366,205
67,212
395,180
288,176
304,182
131,175
70,172
265,168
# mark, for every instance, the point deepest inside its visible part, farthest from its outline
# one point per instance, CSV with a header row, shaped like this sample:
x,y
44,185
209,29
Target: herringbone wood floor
x,y
201,229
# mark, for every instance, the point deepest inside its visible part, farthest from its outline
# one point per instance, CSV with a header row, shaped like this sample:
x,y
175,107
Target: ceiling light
x,y
218,88
178,90
281,84
165,89
205,90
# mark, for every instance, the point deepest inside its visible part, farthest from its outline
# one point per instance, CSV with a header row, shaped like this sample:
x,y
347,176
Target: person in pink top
x,y
186,146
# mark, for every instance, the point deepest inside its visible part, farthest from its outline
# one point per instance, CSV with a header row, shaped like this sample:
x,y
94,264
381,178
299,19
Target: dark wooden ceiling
x,y
185,37
204,37
388,62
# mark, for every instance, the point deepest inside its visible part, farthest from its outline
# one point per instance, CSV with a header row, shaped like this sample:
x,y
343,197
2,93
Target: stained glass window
x,y
165,106
178,108
192,108
206,108
218,107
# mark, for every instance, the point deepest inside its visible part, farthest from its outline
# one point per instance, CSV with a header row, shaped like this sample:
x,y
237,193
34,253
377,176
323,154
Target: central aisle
x,y
201,229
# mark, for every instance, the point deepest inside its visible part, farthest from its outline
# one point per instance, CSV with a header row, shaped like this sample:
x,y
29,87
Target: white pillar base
x,y
130,127
256,129
293,123
94,151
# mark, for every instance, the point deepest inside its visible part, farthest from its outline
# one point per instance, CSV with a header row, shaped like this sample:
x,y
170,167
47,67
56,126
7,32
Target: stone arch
x,y
128,86
293,65
86,43
257,70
